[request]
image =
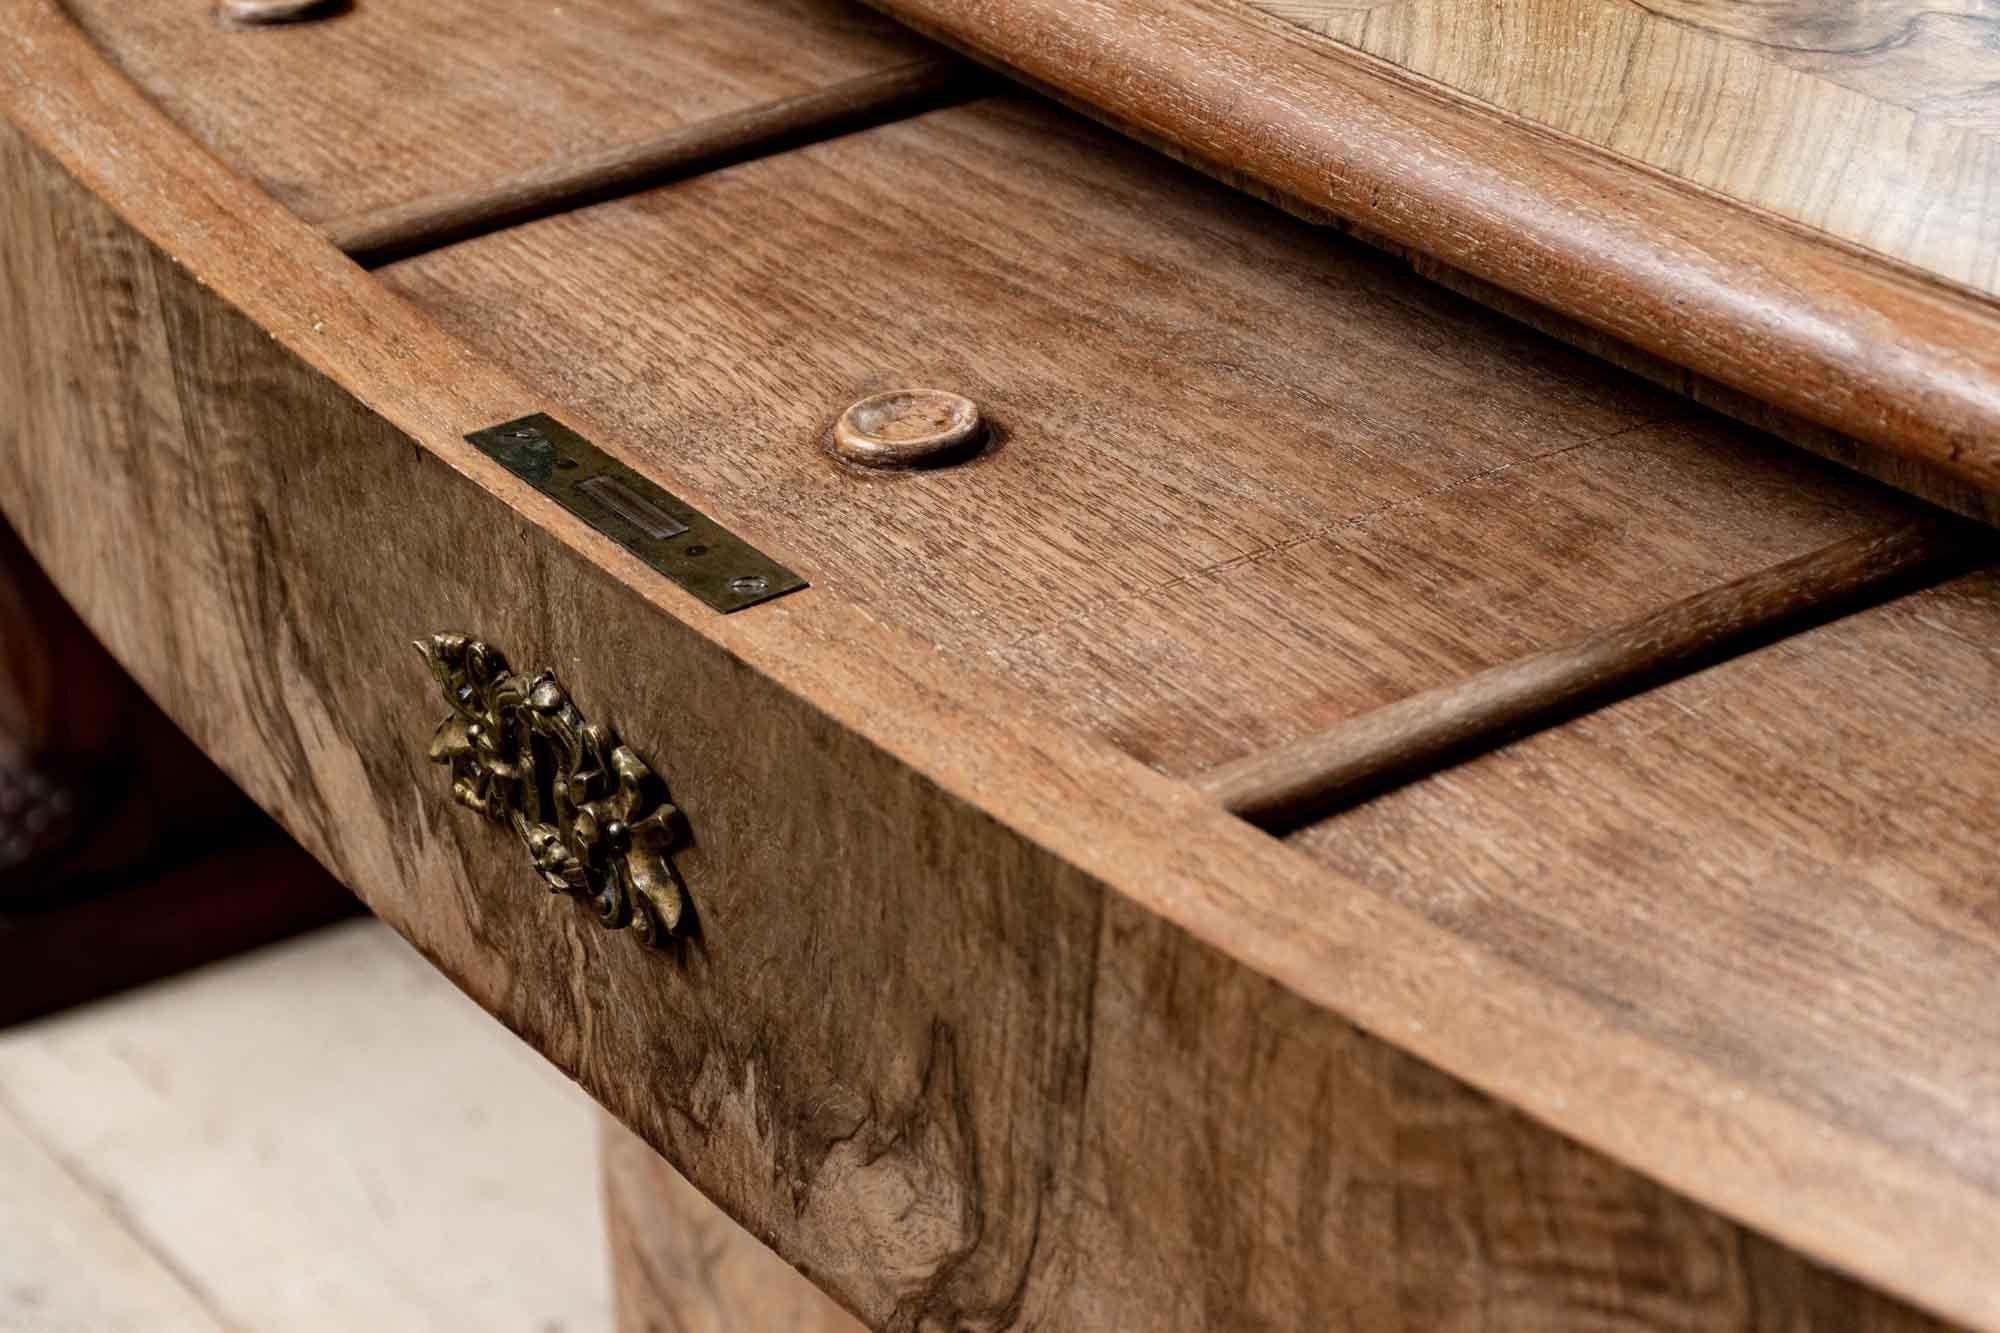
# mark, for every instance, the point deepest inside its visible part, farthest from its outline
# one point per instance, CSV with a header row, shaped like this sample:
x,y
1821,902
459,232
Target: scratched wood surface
x,y
1354,487
1788,315
1873,123
1777,865
381,104
986,1023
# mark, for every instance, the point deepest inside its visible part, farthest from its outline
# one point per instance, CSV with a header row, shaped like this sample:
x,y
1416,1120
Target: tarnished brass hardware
x,y
631,509
591,814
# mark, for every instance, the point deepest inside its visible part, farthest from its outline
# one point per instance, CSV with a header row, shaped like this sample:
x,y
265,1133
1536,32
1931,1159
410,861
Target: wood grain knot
x,y
267,13
908,428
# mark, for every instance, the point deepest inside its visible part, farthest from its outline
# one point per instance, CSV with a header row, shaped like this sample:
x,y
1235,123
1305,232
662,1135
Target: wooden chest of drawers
x,y
973,1004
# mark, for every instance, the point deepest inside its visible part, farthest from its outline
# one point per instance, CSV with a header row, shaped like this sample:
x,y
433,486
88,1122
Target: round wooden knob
x,y
907,428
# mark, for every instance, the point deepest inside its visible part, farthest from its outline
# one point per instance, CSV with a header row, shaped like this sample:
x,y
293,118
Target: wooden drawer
x,y
979,1019
1349,486
384,106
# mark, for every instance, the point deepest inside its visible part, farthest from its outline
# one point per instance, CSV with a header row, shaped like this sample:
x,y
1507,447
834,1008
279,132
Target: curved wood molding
x,y
1280,789
1835,335
1103,1056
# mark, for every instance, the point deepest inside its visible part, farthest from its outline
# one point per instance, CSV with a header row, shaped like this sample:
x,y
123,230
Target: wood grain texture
x,y
1903,471
679,1265
581,179
967,1033
1355,488
935,1066
1819,329
1814,807
1938,60
1424,733
60,695
97,789
1869,122
388,106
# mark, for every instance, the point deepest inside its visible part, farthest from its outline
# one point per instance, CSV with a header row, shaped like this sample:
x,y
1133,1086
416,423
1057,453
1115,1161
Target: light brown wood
x,y
388,107
1903,471
1820,329
985,1021
1334,501
1770,864
679,1265
1868,122
1425,732
578,180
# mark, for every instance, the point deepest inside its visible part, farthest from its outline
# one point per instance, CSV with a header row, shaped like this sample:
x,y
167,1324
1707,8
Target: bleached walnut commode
x,y
1062,746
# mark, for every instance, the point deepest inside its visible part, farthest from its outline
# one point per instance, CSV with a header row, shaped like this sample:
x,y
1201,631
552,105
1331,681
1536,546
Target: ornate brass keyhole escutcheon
x,y
593,818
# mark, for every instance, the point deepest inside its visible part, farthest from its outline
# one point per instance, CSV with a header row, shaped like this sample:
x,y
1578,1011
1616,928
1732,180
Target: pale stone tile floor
x,y
321,1135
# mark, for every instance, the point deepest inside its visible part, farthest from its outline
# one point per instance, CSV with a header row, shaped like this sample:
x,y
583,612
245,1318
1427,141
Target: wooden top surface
x,y
383,103
1872,123
1654,174
1350,487
1780,867
1353,486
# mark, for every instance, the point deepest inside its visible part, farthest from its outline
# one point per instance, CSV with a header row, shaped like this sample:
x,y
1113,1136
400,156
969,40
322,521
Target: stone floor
x,y
322,1135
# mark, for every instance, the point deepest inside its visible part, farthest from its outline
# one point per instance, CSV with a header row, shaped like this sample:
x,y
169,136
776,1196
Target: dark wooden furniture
x,y
125,855
964,991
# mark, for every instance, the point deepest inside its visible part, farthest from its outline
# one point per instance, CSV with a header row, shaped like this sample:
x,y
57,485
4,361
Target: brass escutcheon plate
x,y
651,522
593,818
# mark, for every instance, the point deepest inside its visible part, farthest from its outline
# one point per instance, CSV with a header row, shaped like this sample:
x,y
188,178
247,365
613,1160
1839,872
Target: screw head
x,y
750,585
